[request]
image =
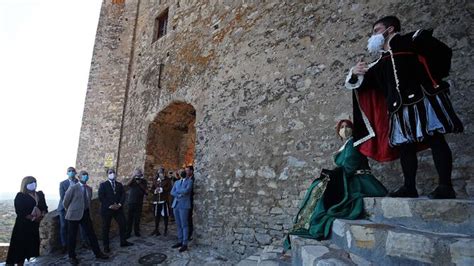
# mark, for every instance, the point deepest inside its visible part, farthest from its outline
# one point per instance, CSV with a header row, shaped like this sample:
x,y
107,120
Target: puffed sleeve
x,y
21,205
42,202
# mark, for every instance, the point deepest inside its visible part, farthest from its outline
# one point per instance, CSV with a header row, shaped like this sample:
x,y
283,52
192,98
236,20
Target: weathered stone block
x,y
363,236
411,246
331,262
394,207
462,252
263,239
309,254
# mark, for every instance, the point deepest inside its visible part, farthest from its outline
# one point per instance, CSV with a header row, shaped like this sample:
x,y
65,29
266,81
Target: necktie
x,y
113,186
84,194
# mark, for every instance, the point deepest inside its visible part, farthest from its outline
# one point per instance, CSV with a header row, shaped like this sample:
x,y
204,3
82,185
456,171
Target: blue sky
x,y
45,54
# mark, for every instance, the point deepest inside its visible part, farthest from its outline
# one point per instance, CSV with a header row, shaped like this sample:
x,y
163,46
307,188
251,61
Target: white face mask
x,y
31,186
111,176
375,42
345,133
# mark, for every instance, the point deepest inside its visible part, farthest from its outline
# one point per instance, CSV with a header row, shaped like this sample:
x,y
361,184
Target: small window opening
x,y
161,24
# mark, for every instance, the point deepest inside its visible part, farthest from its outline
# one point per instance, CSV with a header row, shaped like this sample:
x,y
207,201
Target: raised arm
x,y
186,189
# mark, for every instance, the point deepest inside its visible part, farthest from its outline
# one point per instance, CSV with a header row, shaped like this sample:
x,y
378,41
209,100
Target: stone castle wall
x,y
106,90
266,81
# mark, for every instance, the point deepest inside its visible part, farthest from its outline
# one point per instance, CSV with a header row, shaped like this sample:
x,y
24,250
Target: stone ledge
x,y
4,251
390,245
307,251
447,216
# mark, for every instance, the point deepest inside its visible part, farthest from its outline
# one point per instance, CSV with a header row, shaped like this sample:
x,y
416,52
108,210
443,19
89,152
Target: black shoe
x,y
127,236
183,248
443,192
158,233
63,250
74,261
177,245
138,234
85,245
126,244
153,233
165,233
404,192
101,256
106,249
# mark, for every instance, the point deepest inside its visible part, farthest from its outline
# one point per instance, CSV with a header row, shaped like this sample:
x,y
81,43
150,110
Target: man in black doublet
x,y
415,112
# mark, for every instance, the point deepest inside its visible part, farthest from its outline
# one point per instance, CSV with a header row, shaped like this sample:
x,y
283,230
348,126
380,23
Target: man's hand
x,y
360,68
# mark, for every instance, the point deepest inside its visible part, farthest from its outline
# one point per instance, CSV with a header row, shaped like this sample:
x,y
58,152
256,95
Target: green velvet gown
x,y
337,193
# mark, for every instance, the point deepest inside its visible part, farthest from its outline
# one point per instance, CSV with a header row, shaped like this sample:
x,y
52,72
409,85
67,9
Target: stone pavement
x,y
144,245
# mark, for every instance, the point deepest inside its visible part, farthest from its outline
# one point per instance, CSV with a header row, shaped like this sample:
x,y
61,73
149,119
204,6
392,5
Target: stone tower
x,y
99,144
249,92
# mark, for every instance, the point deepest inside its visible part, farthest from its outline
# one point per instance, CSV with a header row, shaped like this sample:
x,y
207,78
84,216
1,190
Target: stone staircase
x,y
396,231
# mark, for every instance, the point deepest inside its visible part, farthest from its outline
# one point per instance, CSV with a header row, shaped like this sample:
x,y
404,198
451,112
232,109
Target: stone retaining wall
x,y
3,251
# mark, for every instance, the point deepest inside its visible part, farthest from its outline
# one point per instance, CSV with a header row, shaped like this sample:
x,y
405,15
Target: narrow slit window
x,y
161,24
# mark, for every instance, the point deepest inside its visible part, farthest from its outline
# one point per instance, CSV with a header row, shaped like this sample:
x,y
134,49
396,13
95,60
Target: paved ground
x,y
144,245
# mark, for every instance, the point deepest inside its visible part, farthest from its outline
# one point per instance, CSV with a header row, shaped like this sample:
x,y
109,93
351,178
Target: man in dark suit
x,y
77,202
63,186
137,187
112,198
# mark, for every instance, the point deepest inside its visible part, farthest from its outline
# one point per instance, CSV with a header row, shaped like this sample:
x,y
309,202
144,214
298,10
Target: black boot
x,y
443,192
404,192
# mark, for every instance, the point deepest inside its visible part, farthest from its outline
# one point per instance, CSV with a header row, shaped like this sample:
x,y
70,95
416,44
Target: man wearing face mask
x,y
401,103
137,186
112,198
77,202
63,187
161,189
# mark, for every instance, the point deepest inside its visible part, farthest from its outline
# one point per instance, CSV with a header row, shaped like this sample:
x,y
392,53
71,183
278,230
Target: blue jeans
x,y
181,216
63,229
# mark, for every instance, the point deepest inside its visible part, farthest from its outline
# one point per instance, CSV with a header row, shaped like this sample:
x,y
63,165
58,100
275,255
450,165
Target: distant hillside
x,y
8,216
7,220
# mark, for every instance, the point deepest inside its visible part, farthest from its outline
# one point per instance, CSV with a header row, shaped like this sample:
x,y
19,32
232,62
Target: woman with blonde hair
x,y
30,208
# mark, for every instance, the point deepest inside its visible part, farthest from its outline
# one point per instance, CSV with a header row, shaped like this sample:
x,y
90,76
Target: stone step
x,y
269,256
306,251
445,216
397,245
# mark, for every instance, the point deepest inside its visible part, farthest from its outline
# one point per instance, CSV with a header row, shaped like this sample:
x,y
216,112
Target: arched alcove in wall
x,y
171,138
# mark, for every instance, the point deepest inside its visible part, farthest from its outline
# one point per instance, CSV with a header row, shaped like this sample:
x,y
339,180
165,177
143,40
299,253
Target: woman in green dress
x,y
337,193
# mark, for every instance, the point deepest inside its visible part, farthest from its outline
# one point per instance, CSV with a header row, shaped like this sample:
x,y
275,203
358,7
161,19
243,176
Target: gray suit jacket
x,y
63,186
74,201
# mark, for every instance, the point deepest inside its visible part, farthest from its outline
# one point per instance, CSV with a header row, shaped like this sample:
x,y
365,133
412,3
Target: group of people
x,y
74,211
401,106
